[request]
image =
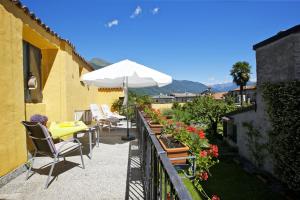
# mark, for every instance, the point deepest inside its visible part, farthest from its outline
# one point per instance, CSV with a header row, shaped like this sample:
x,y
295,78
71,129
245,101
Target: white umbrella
x,y
126,74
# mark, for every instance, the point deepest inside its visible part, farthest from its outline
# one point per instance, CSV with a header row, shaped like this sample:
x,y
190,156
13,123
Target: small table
x,y
65,130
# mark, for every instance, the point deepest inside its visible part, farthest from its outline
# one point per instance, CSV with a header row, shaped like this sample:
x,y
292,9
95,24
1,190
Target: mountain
x,y
175,86
98,63
225,87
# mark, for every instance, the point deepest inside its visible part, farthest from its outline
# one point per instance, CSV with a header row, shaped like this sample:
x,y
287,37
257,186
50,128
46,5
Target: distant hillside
x,y
98,63
175,86
225,87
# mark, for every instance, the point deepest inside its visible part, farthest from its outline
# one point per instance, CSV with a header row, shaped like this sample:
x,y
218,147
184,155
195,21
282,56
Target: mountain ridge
x,y
225,87
179,86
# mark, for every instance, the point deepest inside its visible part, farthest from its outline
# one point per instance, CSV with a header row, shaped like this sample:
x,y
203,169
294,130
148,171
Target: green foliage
x,y
208,111
283,108
167,112
176,105
240,73
183,116
141,101
255,145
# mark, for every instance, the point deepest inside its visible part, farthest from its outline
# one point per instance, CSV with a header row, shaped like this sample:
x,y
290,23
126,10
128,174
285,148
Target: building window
x,y
32,57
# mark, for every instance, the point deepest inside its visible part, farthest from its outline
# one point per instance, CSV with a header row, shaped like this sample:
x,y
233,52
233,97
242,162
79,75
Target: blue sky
x,y
190,40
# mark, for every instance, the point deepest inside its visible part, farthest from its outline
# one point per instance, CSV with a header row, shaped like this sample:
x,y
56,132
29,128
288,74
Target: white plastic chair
x,y
102,120
107,112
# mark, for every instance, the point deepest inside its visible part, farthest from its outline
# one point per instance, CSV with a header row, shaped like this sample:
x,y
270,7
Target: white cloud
x,y
136,12
112,23
155,10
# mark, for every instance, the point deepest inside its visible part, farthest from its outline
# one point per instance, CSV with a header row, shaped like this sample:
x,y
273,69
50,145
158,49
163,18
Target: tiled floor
x,y
112,173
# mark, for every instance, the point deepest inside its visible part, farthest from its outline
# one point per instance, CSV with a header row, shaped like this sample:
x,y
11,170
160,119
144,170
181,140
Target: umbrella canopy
x,y
126,74
114,76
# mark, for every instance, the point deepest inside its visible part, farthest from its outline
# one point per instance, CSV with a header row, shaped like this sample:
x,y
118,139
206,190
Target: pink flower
x,y
214,150
203,154
215,197
204,176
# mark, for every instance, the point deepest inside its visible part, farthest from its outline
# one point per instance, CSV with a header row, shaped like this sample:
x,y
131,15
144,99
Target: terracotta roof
x,y
246,88
219,95
47,28
281,34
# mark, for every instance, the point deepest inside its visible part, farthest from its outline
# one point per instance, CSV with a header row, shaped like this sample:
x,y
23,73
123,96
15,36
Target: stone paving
x,y
112,173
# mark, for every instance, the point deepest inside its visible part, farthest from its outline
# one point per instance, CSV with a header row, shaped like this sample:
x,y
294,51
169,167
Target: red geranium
x,y
204,176
203,154
191,129
214,150
201,134
215,197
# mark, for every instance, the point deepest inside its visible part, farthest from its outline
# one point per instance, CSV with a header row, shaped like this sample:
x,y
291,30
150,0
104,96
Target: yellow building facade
x,y
60,69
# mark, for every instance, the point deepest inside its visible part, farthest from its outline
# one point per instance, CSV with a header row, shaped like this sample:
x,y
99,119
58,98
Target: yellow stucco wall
x,y
12,137
62,91
163,106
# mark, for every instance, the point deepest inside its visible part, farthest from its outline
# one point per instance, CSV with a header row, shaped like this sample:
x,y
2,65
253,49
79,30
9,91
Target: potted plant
x,y
173,147
146,113
155,121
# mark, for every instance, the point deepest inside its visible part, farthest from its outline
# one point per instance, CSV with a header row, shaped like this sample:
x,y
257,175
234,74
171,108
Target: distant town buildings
x,y
219,95
249,94
184,97
163,98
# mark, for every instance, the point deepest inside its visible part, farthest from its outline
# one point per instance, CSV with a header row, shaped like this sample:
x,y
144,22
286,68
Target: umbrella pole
x,y
128,136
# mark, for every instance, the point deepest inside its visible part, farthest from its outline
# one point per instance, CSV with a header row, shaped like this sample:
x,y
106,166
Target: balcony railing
x,y
161,180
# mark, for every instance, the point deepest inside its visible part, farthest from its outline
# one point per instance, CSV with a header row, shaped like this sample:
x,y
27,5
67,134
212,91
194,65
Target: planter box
x,y
175,152
156,128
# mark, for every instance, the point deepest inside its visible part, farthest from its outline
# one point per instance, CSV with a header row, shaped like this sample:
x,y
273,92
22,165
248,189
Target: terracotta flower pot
x,y
175,152
156,128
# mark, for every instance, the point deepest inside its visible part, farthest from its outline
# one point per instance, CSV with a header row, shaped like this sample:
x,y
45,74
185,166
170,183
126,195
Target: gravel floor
x,y
106,175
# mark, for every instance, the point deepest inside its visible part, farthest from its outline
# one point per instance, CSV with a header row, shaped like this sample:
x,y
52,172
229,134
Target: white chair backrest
x,y
78,115
96,113
105,109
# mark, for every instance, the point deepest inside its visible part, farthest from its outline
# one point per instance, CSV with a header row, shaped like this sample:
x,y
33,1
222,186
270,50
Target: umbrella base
x,y
128,137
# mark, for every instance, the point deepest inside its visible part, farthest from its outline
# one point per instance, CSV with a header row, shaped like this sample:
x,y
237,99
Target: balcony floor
x,y
112,173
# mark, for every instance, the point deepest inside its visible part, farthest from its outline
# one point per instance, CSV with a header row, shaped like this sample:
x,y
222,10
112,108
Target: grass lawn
x,y
230,182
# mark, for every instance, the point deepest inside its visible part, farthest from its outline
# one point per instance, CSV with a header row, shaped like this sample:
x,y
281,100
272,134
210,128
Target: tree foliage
x,y
204,111
240,73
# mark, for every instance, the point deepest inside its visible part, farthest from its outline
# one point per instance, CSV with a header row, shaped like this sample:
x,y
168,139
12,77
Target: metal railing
x,y
161,180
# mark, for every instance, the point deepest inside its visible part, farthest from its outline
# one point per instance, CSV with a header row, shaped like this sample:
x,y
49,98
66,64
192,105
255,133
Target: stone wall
x,y
278,61
242,138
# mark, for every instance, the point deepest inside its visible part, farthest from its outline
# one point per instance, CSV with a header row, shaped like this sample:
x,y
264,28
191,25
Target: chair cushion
x,y
65,147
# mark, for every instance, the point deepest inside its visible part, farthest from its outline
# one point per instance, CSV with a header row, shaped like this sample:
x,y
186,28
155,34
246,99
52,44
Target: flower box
x,y
174,150
156,128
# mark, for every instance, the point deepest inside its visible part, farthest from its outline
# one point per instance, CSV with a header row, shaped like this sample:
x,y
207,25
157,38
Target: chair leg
x,y
80,149
98,135
30,167
50,173
90,143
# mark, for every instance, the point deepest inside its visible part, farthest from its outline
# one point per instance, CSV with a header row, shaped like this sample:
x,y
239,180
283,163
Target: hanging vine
x,y
283,108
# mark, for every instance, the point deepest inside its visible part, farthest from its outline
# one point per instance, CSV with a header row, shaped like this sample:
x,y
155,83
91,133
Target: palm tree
x,y
240,73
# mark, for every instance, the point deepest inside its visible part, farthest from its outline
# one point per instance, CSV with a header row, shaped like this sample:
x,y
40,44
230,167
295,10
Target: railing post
x,y
155,176
148,167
